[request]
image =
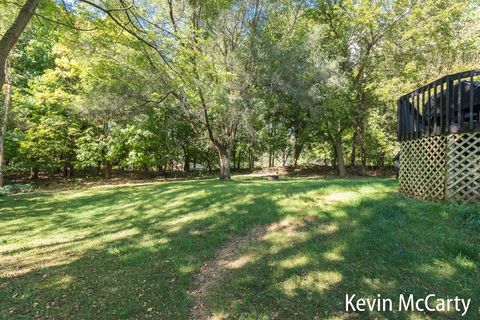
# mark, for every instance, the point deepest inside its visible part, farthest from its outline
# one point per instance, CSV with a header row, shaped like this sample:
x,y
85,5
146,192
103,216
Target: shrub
x,y
16,188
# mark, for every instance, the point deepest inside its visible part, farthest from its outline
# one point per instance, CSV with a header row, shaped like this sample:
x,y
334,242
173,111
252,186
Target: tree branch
x,y
64,24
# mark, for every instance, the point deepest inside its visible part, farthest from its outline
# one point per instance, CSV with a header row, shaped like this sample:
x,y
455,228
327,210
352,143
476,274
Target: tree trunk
x,y
381,161
296,153
339,157
354,147
363,152
13,33
234,157
108,169
51,174
98,169
160,170
186,160
271,159
3,129
34,174
71,172
224,156
239,160
297,146
361,118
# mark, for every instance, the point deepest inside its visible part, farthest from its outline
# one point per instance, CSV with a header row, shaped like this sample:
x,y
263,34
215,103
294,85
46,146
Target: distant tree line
x,y
161,85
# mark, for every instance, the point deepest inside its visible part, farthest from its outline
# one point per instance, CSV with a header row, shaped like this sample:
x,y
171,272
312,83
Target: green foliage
x,y
89,152
46,144
50,128
284,80
16,188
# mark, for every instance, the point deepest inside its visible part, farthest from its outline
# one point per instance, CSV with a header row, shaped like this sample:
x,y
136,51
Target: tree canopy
x,y
162,85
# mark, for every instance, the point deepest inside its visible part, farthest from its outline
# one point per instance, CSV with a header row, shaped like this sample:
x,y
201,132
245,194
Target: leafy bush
x,y
16,188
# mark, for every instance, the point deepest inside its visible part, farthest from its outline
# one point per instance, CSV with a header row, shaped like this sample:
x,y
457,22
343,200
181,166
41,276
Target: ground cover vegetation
x,y
249,249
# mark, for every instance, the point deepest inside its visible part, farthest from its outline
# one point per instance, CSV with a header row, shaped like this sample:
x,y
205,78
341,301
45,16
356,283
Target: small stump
x,y
272,177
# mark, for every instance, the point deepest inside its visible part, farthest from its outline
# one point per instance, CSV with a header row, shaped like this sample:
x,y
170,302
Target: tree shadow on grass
x,y
387,246
132,252
126,252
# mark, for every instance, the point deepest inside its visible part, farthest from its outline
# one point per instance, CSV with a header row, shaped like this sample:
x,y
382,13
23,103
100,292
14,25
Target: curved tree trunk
x,y
13,34
297,150
224,156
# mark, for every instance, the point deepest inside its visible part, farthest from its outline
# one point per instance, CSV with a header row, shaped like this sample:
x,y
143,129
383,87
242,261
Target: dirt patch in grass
x,y
297,228
227,258
232,256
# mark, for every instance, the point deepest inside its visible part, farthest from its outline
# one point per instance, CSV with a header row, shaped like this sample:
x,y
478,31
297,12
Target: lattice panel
x,y
463,163
422,168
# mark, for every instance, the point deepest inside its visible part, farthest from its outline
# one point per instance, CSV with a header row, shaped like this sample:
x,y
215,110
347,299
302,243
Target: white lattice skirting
x,y
441,167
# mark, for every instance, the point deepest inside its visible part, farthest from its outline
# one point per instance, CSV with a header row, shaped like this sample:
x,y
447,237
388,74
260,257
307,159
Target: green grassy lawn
x,y
134,251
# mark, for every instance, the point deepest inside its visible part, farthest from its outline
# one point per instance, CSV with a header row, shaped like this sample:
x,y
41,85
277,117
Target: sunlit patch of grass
x,y
333,256
241,261
294,262
440,269
132,251
315,281
346,196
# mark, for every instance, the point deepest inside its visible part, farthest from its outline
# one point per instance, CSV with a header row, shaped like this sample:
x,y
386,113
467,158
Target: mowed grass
x,y
133,251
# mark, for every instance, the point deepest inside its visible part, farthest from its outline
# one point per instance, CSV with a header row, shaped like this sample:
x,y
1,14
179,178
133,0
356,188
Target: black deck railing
x,y
448,105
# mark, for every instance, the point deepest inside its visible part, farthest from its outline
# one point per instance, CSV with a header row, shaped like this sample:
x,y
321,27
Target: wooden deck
x,y
448,105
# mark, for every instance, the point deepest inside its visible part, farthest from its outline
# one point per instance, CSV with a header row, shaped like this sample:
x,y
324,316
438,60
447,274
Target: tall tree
x,y
4,117
213,88
10,38
356,32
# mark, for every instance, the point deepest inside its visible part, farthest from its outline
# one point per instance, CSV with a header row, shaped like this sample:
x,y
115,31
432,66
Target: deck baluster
x,y
459,106
429,96
442,107
412,109
435,122
405,119
447,106
424,122
471,101
418,115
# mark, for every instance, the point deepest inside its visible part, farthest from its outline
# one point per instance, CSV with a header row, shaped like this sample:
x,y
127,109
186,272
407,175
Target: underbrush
x,y
16,188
